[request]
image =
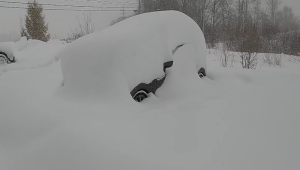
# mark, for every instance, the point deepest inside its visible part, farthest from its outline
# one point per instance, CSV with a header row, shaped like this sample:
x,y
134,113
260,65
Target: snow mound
x,y
32,54
134,49
24,43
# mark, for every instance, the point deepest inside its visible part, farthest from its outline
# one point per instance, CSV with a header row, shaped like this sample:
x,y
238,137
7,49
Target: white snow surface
x,y
233,119
130,52
32,54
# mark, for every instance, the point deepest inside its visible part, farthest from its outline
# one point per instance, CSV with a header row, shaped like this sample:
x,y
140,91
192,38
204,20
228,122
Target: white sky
x,y
60,22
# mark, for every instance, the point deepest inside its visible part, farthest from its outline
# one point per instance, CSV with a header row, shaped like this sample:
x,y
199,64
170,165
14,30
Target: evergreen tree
x,y
36,28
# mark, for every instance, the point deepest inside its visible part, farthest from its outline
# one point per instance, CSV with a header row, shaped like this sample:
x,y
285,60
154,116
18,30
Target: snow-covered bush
x,y
273,59
277,60
267,59
248,60
23,43
294,58
248,48
226,57
85,27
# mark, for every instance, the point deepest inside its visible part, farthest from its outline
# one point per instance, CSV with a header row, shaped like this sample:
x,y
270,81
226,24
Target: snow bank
x,y
24,43
135,49
33,54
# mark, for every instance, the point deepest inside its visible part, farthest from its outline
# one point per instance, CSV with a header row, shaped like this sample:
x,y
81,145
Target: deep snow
x,y
233,119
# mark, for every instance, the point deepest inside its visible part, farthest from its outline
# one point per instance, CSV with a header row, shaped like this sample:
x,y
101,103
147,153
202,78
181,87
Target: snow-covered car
x,y
139,48
141,91
6,53
182,30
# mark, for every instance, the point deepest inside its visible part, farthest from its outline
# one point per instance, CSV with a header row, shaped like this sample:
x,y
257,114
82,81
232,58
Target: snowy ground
x,y
233,119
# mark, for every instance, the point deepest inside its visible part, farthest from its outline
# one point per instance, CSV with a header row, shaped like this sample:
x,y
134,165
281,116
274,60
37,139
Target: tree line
x,y
242,25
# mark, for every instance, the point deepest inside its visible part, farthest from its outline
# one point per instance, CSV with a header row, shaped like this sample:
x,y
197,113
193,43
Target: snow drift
x,y
32,54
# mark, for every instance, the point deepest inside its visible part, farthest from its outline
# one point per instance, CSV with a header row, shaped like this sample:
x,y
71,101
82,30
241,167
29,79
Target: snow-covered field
x,y
233,119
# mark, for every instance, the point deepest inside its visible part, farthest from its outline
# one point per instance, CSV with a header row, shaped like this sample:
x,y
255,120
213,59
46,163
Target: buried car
x,y
6,53
139,48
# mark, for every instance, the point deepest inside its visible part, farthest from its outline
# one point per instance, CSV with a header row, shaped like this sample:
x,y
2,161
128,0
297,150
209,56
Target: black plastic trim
x,y
173,51
149,88
168,65
202,70
8,60
155,84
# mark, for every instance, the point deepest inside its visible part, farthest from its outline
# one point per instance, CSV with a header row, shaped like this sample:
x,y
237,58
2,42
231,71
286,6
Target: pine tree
x,y
36,27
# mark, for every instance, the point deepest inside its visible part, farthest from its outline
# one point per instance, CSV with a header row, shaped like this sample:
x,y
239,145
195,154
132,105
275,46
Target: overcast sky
x,y
62,22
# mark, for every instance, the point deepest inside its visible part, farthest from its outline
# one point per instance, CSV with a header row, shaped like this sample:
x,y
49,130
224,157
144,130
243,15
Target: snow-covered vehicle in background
x,y
6,53
140,49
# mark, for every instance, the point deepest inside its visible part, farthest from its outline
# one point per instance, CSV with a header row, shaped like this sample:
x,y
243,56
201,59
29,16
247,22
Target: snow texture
x,y
32,54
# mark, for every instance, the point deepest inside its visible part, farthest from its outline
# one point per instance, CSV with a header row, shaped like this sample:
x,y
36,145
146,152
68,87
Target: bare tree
x,y
257,13
226,57
214,22
273,6
119,19
273,59
249,47
227,21
23,31
204,6
168,5
85,27
288,21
